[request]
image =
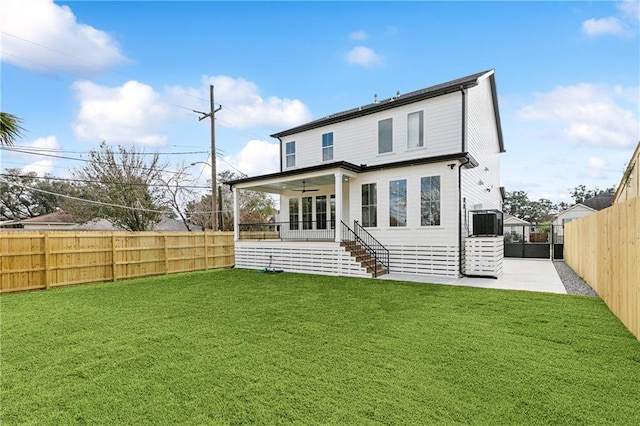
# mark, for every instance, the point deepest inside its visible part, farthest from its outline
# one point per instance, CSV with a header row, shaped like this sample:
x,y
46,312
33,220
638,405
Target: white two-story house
x,y
388,186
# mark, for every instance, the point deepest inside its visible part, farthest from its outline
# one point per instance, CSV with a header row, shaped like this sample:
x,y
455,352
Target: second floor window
x,y
398,202
290,154
369,205
415,130
327,146
385,136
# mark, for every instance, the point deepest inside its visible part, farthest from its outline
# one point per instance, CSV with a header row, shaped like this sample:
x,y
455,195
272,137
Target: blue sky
x,y
130,73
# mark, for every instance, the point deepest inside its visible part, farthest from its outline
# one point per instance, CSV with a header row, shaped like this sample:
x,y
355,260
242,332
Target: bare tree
x,y
177,193
124,187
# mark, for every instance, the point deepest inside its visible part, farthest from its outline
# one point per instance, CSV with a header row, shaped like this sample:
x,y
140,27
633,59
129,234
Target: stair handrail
x,y
379,255
381,252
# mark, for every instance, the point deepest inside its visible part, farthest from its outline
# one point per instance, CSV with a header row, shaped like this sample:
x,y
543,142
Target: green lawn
x,y
237,346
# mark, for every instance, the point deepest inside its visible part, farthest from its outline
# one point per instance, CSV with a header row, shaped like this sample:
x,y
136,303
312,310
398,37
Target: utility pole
x,y
214,176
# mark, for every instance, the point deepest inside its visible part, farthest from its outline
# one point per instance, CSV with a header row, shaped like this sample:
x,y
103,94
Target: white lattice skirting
x,y
424,260
323,258
483,256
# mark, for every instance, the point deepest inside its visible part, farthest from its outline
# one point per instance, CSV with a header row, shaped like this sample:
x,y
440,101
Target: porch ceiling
x,y
286,184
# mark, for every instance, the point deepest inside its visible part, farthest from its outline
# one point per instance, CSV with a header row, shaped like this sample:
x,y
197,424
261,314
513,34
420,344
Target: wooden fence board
x,y
604,249
42,259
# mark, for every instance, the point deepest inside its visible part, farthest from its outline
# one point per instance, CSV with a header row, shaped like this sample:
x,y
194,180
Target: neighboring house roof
x,y
599,202
55,218
408,98
165,224
512,220
572,208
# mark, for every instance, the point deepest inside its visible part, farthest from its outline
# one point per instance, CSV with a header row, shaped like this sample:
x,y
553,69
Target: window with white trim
x,y
290,154
415,130
385,135
327,146
293,213
430,201
307,212
398,202
369,205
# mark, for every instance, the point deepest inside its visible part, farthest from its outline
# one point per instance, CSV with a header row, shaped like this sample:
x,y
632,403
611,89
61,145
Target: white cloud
x,y
358,36
364,56
609,25
588,114
625,24
42,145
242,104
255,158
597,168
629,9
42,36
41,167
129,114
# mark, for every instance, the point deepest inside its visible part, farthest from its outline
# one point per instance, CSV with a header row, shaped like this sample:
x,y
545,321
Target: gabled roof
x,y
51,218
510,219
599,202
573,207
408,98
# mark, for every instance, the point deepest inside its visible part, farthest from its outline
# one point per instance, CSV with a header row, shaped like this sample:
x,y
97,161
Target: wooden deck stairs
x,y
366,260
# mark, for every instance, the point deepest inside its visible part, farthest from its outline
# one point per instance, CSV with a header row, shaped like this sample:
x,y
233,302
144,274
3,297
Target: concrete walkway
x,y
519,274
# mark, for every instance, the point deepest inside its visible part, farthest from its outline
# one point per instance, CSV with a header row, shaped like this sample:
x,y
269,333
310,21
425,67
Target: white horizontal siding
x,y
414,233
356,140
424,259
481,185
483,256
303,257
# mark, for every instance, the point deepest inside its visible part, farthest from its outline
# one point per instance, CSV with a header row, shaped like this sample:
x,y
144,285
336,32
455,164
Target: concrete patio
x,y
519,274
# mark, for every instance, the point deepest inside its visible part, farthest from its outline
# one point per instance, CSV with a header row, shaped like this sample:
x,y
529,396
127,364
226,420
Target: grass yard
x,y
237,346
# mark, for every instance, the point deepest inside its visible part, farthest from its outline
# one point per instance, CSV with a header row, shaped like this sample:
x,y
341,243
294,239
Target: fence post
x,y
166,255
113,257
46,261
206,252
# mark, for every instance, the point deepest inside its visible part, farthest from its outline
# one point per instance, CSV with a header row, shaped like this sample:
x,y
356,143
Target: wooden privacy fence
x,y
604,249
43,259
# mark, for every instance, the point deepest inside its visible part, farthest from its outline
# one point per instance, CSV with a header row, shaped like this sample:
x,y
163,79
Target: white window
x,y
385,136
291,154
369,205
293,213
327,146
430,201
415,130
398,202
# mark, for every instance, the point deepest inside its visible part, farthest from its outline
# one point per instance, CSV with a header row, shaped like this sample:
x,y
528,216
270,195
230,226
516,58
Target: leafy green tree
x,y
24,195
580,193
518,204
124,186
10,128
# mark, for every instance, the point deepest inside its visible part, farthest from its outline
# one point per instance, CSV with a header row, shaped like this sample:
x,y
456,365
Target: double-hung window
x,y
415,130
430,201
327,146
321,212
385,136
398,202
293,213
290,154
369,205
307,212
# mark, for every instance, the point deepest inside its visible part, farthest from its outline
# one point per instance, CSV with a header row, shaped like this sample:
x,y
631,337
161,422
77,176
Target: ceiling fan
x,y
304,188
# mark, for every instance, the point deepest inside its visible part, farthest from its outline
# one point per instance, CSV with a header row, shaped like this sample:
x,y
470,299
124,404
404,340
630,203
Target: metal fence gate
x,y
534,241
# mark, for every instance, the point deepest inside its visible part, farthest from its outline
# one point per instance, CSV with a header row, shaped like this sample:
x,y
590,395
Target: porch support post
x,y
338,226
236,215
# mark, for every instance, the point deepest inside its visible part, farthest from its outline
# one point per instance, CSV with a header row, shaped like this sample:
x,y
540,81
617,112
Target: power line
x,y
97,181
